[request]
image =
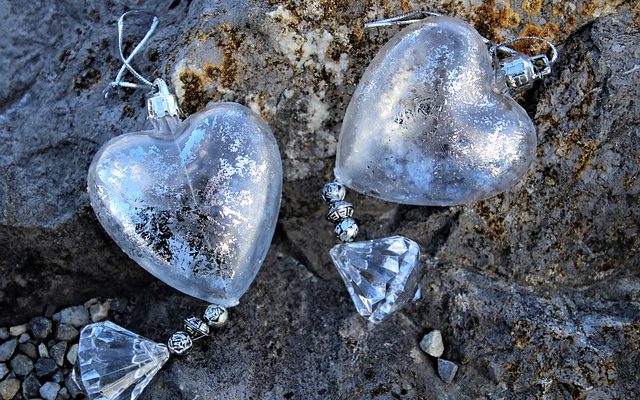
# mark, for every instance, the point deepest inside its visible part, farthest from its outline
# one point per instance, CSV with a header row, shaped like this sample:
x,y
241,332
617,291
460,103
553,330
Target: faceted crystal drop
x,y
381,275
117,364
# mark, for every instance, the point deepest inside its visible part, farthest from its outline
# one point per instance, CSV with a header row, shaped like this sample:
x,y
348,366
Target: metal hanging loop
x,y
403,19
126,66
521,71
505,45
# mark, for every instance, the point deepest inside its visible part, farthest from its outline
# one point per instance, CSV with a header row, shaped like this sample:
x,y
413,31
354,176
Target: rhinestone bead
x,y
339,210
215,315
346,230
333,191
179,343
196,327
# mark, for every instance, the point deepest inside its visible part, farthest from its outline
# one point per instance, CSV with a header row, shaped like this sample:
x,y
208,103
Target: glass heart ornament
x,y
193,202
431,121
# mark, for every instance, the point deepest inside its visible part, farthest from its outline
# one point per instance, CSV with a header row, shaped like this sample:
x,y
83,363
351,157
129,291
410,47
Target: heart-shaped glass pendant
x,y
431,122
194,202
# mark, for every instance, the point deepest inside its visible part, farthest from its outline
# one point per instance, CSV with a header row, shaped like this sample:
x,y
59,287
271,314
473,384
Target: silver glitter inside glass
x,y
430,124
195,202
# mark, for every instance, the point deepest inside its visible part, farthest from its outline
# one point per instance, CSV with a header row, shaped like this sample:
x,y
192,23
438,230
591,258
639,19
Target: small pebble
x,y
18,330
447,370
4,334
24,338
21,365
66,332
57,352
30,387
76,316
29,349
432,344
40,327
42,350
72,386
46,367
72,354
99,311
7,349
49,391
58,377
9,388
3,370
63,394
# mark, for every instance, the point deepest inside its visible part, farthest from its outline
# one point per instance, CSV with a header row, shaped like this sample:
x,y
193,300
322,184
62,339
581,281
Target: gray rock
x,y
49,390
99,311
30,387
447,370
76,316
4,334
3,370
57,352
7,348
18,330
40,327
45,368
63,394
29,349
42,350
66,332
9,388
71,386
21,365
72,354
540,283
24,338
432,344
58,377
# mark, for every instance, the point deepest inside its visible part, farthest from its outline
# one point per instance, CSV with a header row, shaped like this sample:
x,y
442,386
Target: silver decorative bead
x,y
196,328
215,315
346,230
333,191
339,210
179,343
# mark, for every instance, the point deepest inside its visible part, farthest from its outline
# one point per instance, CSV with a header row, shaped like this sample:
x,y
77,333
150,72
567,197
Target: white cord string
x,y
127,60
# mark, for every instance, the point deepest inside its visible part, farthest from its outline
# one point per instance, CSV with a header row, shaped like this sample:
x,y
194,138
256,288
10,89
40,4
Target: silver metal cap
x,y
521,71
162,103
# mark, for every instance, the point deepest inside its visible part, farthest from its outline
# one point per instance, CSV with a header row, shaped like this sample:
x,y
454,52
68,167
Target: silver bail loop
x,y
162,103
521,71
403,19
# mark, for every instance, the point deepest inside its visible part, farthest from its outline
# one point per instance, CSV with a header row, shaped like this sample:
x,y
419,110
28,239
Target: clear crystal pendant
x,y
381,275
117,364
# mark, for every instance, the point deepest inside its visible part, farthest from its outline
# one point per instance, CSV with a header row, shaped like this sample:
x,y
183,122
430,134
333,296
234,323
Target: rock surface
x,y
536,291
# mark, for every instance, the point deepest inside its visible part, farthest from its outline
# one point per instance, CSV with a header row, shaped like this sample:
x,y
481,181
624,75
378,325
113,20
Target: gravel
x,y
9,388
7,348
66,332
21,365
447,370
49,390
40,327
76,316
432,344
46,367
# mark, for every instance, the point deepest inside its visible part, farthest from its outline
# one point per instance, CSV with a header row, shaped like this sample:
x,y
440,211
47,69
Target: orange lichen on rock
x,y
531,6
230,43
195,97
490,20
